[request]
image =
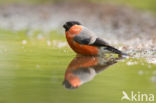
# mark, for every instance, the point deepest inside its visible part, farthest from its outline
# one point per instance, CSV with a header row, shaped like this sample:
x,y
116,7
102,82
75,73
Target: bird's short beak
x,y
65,26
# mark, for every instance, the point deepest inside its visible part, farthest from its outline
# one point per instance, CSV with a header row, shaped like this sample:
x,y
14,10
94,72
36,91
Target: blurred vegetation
x,y
141,4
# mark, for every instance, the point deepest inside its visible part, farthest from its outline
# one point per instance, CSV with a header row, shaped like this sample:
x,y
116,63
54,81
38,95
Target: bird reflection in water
x,y
83,69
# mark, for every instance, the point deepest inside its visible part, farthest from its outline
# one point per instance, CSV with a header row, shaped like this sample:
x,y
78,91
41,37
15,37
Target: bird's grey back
x,y
85,36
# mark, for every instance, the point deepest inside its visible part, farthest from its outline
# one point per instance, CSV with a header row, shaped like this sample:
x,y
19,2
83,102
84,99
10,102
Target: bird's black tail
x,y
114,50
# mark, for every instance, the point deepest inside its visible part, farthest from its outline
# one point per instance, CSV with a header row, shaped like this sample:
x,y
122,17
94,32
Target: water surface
x,y
33,72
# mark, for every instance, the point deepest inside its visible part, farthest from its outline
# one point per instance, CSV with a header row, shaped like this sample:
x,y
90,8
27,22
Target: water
x,y
33,72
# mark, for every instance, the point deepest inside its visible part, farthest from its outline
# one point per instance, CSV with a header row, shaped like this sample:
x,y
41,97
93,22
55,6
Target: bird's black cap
x,y
69,24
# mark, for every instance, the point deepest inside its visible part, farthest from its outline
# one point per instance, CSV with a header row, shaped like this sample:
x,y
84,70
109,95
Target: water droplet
x,y
153,78
140,72
48,42
37,66
24,42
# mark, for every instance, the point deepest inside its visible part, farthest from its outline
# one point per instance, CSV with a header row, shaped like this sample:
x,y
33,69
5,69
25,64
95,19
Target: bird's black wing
x,y
101,43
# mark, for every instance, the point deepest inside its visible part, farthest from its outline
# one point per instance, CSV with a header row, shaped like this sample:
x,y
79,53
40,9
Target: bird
x,y
83,69
85,42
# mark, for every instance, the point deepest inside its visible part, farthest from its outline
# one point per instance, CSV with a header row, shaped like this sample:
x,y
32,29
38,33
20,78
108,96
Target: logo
x,y
137,96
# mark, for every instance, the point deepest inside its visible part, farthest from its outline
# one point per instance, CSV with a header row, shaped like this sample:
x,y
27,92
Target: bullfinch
x,y
83,69
85,42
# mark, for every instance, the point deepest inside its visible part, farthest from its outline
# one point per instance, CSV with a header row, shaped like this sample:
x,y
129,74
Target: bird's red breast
x,y
78,48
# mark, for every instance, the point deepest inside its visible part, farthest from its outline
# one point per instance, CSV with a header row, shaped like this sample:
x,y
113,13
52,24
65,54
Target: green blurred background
x,y
140,4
